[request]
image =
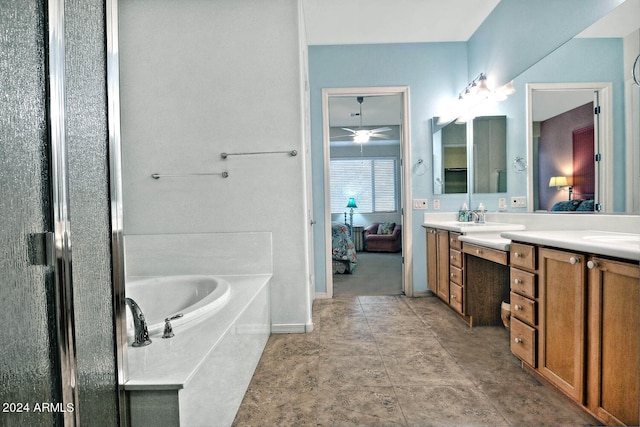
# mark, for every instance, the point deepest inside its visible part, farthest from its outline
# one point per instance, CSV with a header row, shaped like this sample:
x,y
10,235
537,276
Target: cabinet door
x,y
443,265
432,260
614,341
562,287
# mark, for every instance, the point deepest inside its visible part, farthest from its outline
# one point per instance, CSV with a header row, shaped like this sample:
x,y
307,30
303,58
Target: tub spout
x,y
141,333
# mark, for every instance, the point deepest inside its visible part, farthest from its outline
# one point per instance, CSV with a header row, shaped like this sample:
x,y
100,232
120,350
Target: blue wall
x,y
519,33
435,73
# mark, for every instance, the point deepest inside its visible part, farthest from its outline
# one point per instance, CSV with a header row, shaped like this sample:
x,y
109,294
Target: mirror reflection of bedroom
x,y
365,186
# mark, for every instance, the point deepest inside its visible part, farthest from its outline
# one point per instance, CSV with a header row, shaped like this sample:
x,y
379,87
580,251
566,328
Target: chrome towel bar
x,y
292,153
224,174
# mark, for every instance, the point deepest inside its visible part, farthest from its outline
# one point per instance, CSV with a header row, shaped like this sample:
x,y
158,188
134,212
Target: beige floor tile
x,y
354,371
447,406
359,406
532,404
435,367
264,406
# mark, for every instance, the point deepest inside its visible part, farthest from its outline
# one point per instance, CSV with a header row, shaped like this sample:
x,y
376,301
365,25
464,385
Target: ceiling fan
x,y
361,135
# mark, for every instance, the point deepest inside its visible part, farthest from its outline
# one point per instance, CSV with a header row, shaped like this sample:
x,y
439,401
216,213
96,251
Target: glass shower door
x,y
29,364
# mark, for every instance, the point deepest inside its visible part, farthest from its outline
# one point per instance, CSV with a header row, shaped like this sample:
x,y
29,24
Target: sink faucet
x,y
141,333
478,216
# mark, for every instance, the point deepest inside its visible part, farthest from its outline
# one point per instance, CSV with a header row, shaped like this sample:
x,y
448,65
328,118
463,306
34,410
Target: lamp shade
x,y
352,203
558,181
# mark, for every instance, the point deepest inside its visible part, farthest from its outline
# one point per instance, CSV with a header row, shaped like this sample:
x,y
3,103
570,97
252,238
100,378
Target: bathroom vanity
x,y
468,263
574,298
575,318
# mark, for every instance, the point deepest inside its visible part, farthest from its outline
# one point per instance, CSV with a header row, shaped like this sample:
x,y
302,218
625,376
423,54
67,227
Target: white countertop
x,y
609,243
472,227
488,240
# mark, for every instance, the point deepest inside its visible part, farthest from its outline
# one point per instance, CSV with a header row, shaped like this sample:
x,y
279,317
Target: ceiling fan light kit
x,y
360,135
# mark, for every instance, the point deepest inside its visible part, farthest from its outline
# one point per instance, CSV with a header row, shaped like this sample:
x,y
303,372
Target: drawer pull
x,y
517,254
517,307
592,264
453,274
453,296
453,257
518,340
478,251
452,240
517,281
573,260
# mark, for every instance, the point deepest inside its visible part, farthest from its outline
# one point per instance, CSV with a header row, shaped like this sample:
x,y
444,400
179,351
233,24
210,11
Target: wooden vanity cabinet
x,y
486,284
613,364
585,311
562,317
438,262
523,281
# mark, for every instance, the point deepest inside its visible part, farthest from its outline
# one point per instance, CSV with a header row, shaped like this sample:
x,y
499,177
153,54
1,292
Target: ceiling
x,y
330,22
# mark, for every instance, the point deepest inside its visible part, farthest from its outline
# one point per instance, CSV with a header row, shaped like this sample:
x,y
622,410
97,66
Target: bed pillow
x,y
386,227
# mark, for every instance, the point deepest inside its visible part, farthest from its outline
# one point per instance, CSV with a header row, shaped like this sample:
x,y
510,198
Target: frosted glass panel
x,y
27,373
85,83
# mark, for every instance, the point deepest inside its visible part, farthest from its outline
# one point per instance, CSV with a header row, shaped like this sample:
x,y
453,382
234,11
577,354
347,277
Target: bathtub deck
x,y
205,369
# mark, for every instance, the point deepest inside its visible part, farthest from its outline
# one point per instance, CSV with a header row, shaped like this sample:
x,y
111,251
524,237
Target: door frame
x,y
603,135
405,176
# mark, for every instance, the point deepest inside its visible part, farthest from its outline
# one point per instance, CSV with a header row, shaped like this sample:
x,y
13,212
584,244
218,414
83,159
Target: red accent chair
x,y
374,242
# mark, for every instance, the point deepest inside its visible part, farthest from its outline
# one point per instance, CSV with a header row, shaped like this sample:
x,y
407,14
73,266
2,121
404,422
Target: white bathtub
x,y
202,373
195,297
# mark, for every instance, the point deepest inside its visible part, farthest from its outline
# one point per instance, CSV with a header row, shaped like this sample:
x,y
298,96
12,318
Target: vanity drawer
x,y
489,254
523,308
523,256
523,341
456,275
523,282
455,258
454,243
455,300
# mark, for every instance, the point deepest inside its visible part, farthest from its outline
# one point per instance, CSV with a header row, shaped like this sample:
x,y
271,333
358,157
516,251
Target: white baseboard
x,y
289,328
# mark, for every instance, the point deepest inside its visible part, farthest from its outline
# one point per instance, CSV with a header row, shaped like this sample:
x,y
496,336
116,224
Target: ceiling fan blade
x,y
384,129
349,130
379,135
341,136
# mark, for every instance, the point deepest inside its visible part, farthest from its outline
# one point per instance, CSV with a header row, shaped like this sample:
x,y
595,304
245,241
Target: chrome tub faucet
x,y
141,333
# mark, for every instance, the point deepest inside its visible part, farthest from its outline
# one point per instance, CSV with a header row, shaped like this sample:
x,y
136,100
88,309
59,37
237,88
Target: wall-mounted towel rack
x,y
292,153
224,174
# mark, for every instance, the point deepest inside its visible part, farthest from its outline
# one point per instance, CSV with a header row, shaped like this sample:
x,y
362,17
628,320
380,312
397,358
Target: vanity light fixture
x,y
476,93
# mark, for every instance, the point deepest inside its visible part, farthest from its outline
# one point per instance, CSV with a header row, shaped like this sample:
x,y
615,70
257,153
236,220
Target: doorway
x,y
561,178
366,148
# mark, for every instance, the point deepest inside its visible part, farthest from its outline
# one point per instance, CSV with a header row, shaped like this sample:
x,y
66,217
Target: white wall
x,y
199,78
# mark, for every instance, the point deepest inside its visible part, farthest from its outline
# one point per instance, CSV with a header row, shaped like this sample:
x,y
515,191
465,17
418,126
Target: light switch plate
x,y
420,204
519,202
436,204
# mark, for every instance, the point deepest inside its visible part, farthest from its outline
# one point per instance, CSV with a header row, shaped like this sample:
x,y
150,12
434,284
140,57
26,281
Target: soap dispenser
x,y
463,213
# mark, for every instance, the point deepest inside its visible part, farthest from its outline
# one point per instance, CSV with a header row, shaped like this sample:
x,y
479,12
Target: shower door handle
x,y
40,249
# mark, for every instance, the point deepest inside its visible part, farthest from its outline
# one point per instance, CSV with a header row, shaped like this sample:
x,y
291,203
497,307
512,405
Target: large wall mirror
x,y
449,157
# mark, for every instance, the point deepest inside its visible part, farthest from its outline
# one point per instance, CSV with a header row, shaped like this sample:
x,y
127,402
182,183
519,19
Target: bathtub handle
x,y
168,329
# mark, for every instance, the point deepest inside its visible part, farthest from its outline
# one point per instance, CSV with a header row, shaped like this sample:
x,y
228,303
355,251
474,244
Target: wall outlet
x,y
519,202
420,204
502,203
436,204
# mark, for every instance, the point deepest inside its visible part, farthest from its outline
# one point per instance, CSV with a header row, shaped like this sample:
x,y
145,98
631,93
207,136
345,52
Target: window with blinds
x,y
372,182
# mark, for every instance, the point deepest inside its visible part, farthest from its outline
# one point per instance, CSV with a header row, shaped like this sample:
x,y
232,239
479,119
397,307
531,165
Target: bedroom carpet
x,y
376,274
397,361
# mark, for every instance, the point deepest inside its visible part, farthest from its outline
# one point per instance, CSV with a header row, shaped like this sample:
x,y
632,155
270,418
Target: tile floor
x,y
397,361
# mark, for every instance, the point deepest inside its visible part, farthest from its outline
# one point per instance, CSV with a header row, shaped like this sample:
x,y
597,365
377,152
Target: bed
x,y
343,251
